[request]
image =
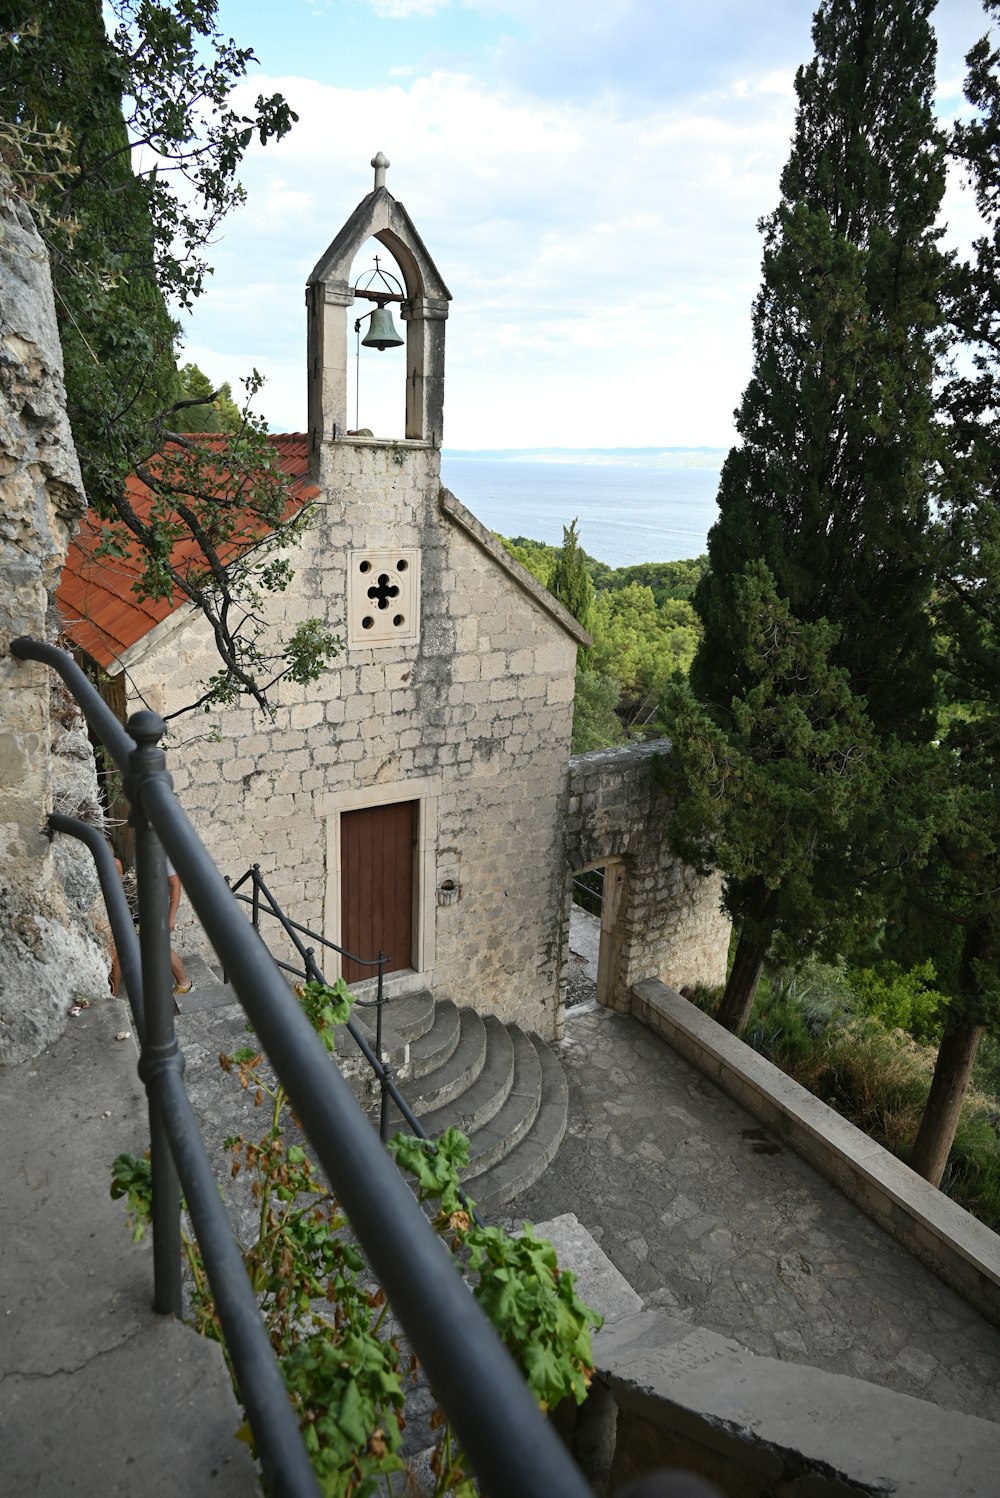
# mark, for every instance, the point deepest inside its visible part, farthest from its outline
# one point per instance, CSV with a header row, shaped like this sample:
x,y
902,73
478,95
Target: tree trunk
x,y
741,989
952,1073
952,1070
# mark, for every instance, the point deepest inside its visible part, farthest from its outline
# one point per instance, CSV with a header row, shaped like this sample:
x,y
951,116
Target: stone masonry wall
x,y
48,952
475,720
670,922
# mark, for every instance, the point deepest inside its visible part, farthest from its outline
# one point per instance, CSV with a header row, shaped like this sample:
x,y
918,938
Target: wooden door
x,y
376,886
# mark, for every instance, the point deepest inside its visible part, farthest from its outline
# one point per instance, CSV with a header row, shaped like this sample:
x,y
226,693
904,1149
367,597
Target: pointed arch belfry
x,y
329,295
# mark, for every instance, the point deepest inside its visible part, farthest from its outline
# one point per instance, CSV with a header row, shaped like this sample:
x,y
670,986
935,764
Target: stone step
x,y
404,1019
502,1182
409,1016
501,1087
447,1082
487,1094
207,989
510,1125
433,1048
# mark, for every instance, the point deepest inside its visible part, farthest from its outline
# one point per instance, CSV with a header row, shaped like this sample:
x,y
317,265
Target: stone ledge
x,y
669,1394
954,1245
759,1426
598,1282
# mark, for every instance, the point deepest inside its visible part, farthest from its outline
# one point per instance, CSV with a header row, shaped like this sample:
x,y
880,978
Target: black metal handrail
x,y
585,894
292,927
273,908
310,969
509,1442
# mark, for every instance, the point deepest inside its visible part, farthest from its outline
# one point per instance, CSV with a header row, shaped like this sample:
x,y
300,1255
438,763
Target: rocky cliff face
x,y
49,952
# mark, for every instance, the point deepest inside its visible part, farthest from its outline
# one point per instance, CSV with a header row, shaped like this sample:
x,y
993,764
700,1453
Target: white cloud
x,y
577,243
401,10
602,251
777,83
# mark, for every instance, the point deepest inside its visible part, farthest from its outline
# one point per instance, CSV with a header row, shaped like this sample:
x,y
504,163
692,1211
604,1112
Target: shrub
x,y
900,999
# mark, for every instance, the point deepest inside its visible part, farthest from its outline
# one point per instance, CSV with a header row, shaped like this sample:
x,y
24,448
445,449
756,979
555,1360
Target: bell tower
x,y
424,310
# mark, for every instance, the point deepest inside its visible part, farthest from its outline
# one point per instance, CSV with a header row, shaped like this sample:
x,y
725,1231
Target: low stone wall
x,y
670,1395
670,922
954,1245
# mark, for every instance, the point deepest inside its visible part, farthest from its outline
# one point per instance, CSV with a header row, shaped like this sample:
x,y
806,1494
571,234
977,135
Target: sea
x,y
633,505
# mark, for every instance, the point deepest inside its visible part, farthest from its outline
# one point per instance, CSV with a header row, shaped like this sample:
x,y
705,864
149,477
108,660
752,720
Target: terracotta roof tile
x,y
96,595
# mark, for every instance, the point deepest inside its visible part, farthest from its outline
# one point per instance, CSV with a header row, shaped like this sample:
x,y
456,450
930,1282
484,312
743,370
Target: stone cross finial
x,y
380,162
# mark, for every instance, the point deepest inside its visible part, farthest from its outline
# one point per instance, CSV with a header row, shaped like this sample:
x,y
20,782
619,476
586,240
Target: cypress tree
x,y
571,583
829,484
954,914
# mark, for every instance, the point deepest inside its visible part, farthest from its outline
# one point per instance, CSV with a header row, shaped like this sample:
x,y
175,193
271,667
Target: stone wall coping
x,y
768,1419
466,521
409,444
953,1244
623,756
788,1427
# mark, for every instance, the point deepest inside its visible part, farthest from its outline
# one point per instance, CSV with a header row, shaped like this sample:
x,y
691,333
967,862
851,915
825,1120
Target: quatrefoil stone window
x,y
383,594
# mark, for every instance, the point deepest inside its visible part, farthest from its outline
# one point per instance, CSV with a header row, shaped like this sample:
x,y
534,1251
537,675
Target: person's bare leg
x,y
182,983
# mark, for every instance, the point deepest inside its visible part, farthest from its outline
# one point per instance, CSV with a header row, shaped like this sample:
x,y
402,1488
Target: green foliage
x,y
900,998
815,1025
534,1306
642,644
644,628
951,914
212,410
596,724
342,1391
570,581
340,1361
532,1302
435,1164
830,481
326,1005
310,646
956,891
668,580
132,1178
785,790
127,143
232,501
538,557
799,750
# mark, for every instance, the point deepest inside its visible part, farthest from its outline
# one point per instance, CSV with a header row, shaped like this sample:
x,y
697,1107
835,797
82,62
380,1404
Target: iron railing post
x,y
386,1078
122,928
223,967
256,898
160,1051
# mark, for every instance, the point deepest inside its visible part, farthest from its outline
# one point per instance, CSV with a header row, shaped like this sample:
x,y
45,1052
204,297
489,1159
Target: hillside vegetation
x,y
645,630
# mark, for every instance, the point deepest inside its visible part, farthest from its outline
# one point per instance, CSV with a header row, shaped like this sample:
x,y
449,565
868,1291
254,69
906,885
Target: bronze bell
x,y
382,332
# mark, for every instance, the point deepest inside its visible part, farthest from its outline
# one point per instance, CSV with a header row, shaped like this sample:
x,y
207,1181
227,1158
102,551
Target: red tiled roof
x,y
100,610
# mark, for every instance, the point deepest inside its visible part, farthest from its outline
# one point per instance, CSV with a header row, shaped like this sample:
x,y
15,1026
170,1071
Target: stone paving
x,y
704,1215
712,1221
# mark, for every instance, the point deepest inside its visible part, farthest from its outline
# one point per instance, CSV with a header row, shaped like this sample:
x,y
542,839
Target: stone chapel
x,y
420,797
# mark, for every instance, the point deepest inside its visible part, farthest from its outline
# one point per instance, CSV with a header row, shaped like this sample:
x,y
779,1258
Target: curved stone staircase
x,y
502,1087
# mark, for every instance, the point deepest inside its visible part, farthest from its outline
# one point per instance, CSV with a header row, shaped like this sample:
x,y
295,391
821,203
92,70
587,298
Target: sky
x,y
586,174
